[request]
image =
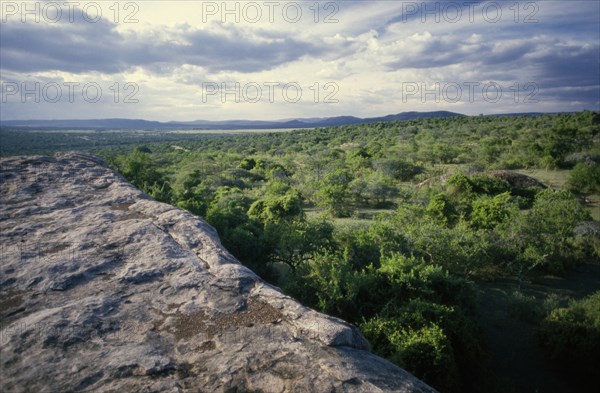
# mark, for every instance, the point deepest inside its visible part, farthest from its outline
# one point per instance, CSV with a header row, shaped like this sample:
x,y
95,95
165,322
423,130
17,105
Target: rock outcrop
x,y
515,179
104,289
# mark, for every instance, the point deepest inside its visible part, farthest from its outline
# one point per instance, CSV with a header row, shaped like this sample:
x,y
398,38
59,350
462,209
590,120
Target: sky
x,y
269,60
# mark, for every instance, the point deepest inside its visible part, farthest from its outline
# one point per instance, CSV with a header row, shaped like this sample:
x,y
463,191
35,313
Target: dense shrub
x,y
441,209
425,352
273,209
544,235
487,212
571,335
397,169
139,169
414,313
585,178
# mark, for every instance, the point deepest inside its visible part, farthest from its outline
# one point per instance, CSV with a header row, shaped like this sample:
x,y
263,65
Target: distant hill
x,y
92,123
112,124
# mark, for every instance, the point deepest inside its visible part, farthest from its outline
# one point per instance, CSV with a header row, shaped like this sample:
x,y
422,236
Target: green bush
x,y
241,235
460,249
426,352
297,242
274,209
487,212
542,237
442,209
489,185
585,178
571,335
333,193
327,283
247,163
139,169
397,169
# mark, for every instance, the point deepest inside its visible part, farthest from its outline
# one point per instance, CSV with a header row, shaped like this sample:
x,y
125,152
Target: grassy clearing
x,y
594,206
552,178
360,217
558,179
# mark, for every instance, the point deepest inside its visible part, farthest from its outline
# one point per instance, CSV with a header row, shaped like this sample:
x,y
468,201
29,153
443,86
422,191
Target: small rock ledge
x,y
104,289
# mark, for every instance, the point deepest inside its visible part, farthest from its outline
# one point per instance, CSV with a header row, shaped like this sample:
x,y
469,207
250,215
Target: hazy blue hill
x,y
86,123
215,125
416,115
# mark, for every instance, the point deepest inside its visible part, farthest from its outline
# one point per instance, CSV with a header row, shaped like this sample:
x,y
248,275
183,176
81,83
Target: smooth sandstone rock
x,y
104,289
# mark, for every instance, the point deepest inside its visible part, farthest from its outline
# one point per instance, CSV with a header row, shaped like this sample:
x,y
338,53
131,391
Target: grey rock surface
x,y
104,289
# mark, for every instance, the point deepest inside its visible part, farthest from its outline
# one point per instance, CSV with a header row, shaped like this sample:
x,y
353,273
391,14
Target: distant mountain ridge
x,y
220,125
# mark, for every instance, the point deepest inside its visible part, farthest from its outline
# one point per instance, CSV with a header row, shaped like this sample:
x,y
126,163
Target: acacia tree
x,y
585,178
381,191
192,195
542,236
139,169
333,192
241,235
297,241
275,208
441,209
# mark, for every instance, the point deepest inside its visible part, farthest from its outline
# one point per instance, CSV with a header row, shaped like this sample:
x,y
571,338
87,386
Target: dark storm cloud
x,y
81,47
549,60
573,66
449,50
236,52
434,52
550,63
566,95
71,47
500,54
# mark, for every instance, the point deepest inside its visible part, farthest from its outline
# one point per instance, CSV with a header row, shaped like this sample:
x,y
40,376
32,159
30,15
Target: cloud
x,y
568,65
506,51
373,49
81,47
73,47
548,59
